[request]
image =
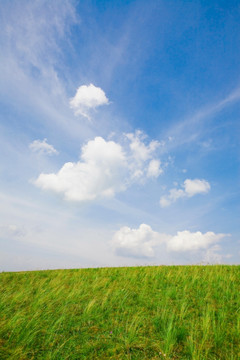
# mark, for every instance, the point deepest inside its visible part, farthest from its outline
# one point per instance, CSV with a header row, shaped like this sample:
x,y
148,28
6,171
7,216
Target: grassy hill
x,y
166,312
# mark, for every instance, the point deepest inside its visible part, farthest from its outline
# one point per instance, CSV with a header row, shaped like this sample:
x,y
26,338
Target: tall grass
x,y
175,312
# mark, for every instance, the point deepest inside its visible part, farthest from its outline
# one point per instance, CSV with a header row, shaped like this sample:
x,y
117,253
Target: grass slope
x,y
173,312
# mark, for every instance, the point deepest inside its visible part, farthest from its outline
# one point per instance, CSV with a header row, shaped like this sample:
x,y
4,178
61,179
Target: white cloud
x,y
190,188
164,201
193,187
86,98
143,242
154,169
135,242
98,174
42,147
212,255
140,157
187,241
140,151
104,169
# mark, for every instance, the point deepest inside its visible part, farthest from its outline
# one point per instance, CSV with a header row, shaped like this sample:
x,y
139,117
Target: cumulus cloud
x,y
99,173
187,241
193,187
87,97
42,147
190,188
143,242
135,242
105,168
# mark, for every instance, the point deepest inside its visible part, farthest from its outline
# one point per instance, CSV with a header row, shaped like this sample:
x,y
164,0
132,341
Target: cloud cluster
x,y
135,242
87,97
141,151
187,241
105,168
142,242
189,189
42,147
140,154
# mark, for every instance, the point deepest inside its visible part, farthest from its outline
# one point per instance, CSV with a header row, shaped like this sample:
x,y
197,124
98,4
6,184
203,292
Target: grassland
x,y
175,312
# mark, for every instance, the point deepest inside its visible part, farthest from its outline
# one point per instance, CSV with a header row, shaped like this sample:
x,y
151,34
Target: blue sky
x,y
119,133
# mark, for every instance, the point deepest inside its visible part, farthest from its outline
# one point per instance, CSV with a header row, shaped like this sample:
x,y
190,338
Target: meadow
x,y
165,312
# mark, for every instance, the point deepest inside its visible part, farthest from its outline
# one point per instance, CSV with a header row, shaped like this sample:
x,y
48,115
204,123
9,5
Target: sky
x,y
119,133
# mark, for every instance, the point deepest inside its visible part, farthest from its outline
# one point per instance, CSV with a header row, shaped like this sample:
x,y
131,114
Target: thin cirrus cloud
x,y
11,231
143,242
88,97
42,147
189,189
105,168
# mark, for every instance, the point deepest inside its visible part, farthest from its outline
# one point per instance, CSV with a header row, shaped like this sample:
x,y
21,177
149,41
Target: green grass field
x,y
166,312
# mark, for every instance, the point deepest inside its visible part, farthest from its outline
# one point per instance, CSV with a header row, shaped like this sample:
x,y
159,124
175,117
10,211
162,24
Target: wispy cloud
x,y
188,130
34,44
11,231
42,147
34,39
